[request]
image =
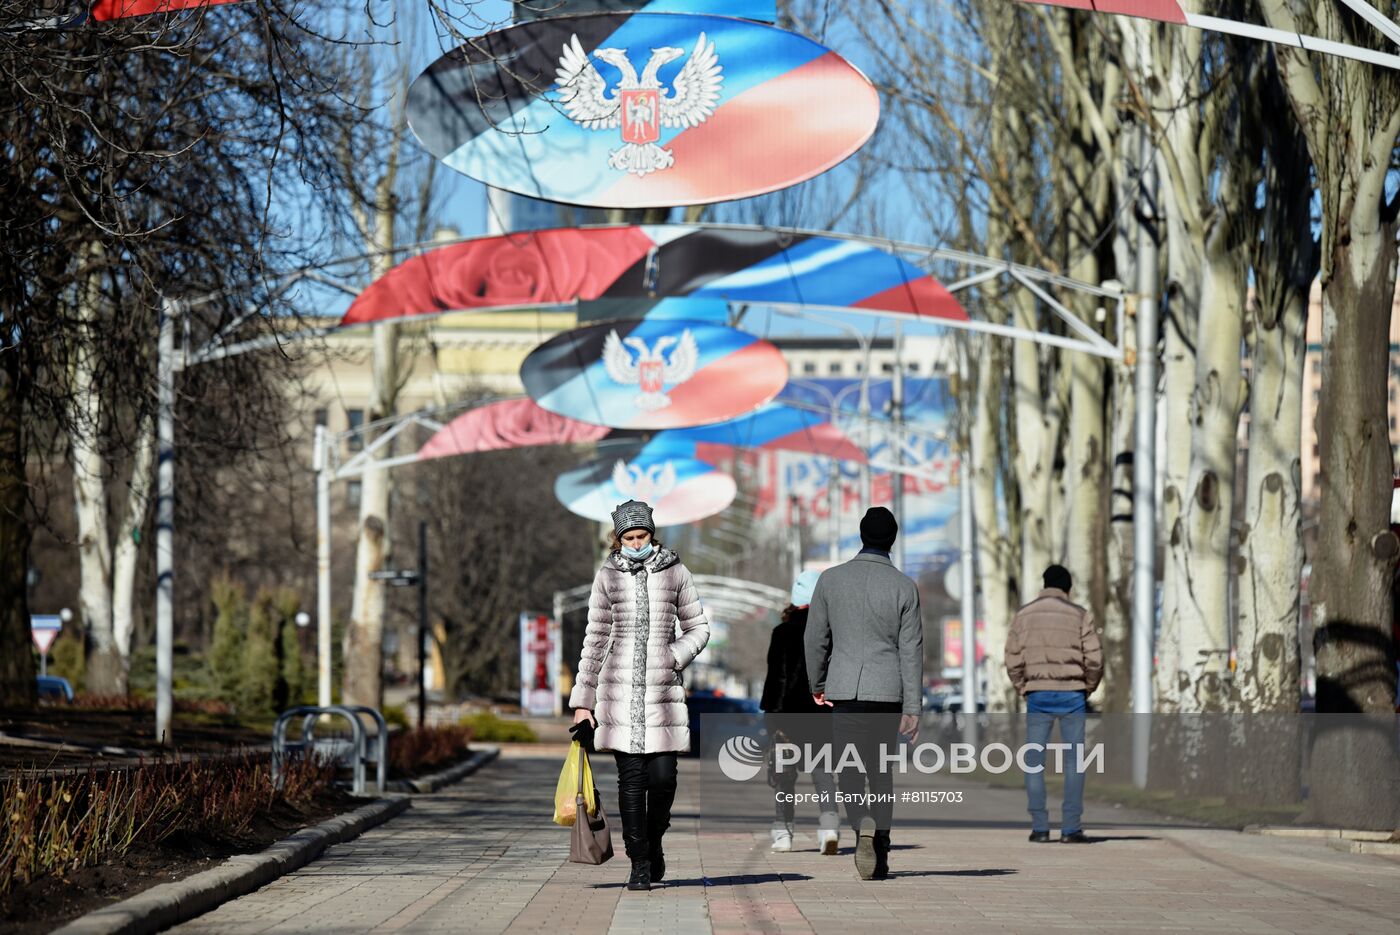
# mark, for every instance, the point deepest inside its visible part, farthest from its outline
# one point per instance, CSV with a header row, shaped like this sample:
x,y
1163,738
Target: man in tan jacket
x,y
1055,661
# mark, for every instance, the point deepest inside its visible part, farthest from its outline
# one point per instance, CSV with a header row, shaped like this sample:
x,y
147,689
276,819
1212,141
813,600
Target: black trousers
x,y
646,787
865,725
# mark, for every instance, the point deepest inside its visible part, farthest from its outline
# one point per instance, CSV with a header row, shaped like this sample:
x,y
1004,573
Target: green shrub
x,y
257,684
66,659
488,726
395,715
226,654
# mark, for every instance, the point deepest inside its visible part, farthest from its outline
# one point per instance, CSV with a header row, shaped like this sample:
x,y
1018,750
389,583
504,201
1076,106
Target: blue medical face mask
x,y
637,555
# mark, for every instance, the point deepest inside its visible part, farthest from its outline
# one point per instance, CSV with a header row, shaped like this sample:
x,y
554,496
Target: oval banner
x,y
679,490
618,110
653,374
637,271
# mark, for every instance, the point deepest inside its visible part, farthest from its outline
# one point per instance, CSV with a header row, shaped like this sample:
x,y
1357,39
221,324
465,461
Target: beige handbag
x,y
590,841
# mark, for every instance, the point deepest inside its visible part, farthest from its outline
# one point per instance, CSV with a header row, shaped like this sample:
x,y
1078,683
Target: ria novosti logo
x,y
741,758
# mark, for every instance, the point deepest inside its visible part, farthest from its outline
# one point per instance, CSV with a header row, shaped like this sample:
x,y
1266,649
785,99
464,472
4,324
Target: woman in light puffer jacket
x,y
645,626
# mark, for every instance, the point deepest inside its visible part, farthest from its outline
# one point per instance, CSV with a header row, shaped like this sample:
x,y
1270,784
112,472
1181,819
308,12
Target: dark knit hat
x,y
878,528
634,514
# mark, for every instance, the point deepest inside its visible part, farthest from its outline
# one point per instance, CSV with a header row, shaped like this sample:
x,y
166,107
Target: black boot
x,y
657,859
641,874
882,856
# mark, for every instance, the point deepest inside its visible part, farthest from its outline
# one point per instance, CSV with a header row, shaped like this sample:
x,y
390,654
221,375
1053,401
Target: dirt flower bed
x,y
69,844
417,752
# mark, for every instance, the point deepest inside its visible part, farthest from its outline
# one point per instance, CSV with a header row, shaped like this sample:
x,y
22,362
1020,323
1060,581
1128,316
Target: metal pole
x,y
165,519
422,622
833,496
1144,471
867,499
897,429
559,619
969,601
321,463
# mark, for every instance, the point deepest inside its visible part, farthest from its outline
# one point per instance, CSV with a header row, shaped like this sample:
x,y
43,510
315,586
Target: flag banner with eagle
x,y
653,374
521,423
679,489
619,110
638,271
765,11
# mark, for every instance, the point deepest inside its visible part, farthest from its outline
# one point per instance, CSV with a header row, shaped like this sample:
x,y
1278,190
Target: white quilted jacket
x,y
629,673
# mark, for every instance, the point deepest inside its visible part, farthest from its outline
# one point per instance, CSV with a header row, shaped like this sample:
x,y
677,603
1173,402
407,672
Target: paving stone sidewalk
x,y
483,856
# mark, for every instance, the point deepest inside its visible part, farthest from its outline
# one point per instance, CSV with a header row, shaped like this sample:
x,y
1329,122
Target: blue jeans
x,y
1043,709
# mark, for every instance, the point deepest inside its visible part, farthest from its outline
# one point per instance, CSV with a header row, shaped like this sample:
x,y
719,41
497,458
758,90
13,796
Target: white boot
x,y
782,840
828,840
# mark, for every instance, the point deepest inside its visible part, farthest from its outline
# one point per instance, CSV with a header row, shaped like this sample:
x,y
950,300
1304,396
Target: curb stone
x,y
169,904
480,756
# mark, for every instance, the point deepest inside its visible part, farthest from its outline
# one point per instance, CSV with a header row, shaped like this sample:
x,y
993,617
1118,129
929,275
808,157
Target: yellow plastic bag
x,y
565,808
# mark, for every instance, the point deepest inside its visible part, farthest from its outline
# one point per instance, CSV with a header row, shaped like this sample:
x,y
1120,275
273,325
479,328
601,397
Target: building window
x,y
354,419
1316,451
834,368
352,494
809,367
914,367
860,367
887,367
322,416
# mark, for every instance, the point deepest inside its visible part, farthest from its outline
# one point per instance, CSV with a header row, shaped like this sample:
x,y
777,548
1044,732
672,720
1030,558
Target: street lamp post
x,y
408,577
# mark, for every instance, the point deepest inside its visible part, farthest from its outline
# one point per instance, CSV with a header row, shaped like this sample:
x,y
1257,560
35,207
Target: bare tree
x,y
146,157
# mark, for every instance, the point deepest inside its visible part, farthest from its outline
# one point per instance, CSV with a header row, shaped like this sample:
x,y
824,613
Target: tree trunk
x,y
364,637
991,537
1203,664
1271,543
1180,199
1116,692
17,687
105,667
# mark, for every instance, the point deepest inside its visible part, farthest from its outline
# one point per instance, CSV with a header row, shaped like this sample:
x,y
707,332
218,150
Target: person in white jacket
x,y
645,626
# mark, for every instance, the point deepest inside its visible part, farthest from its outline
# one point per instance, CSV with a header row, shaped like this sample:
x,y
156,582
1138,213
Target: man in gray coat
x,y
865,658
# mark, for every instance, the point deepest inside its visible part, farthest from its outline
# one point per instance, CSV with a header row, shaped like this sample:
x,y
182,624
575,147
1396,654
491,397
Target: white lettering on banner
x,y
787,754
1021,758
919,752
1001,748
964,757
895,758
931,758
1095,756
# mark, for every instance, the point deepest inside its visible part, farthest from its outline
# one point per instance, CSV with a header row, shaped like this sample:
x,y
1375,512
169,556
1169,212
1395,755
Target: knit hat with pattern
x,y
634,514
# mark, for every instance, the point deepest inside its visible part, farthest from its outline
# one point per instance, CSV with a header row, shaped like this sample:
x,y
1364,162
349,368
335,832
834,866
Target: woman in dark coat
x,y
793,717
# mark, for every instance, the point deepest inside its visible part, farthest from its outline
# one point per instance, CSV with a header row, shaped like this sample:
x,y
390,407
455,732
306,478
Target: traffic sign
x,y
44,629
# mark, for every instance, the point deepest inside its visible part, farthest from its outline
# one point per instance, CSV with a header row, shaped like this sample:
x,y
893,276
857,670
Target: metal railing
x,y
354,752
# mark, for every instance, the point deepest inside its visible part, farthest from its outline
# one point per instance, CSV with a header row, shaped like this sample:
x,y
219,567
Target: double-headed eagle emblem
x,y
651,370
648,484
640,107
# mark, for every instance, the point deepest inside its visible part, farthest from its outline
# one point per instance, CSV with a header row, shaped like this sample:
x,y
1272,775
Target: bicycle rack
x,y
353,753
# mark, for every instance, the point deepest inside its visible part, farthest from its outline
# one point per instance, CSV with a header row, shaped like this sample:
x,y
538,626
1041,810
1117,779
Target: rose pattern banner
x,y
640,271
